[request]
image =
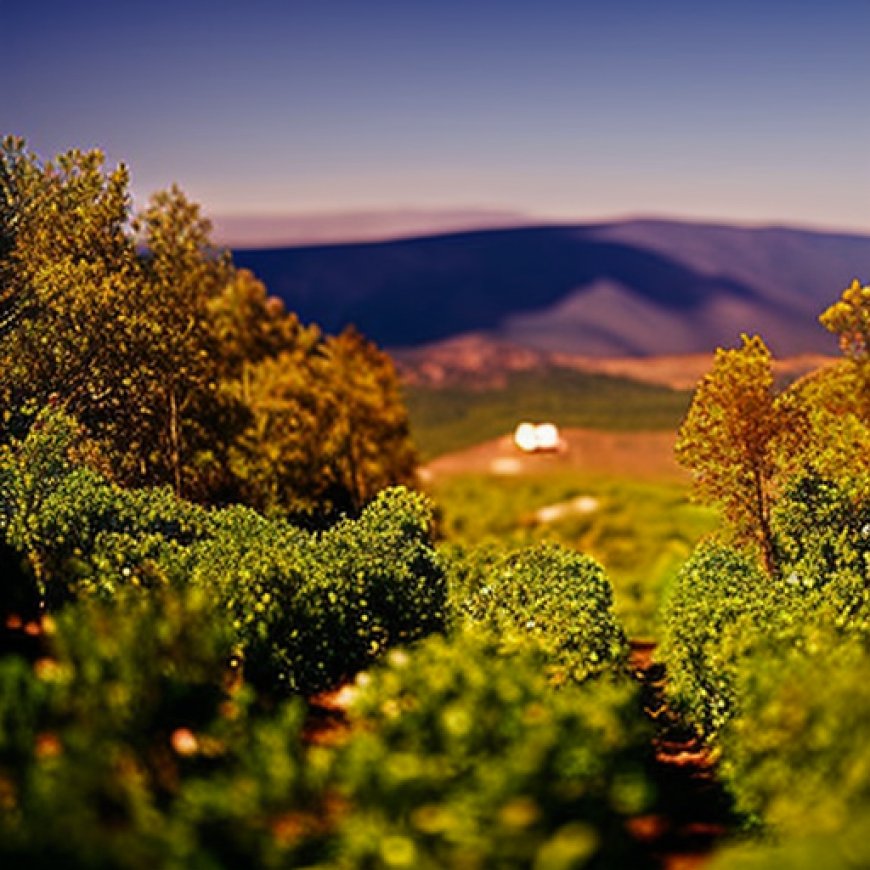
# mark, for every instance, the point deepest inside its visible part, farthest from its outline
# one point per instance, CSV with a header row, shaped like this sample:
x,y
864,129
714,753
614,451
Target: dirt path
x,y
693,810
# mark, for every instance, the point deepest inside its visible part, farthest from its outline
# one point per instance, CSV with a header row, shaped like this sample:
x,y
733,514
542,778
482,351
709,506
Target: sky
x,y
748,112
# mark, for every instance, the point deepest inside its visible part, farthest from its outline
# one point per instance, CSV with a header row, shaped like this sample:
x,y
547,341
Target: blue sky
x,y
750,112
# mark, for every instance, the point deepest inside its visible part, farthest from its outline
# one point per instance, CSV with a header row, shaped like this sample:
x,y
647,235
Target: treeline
x,y
767,630
180,369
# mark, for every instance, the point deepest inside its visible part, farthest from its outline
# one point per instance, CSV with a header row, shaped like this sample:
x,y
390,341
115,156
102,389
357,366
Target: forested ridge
x,y
210,523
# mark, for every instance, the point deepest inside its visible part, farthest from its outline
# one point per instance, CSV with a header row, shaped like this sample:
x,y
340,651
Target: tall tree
x,y
737,441
328,428
69,268
183,275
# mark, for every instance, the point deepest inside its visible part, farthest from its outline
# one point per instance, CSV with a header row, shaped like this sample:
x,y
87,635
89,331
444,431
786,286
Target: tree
x,y
836,398
68,269
249,325
370,438
180,354
180,368
328,428
736,440
849,320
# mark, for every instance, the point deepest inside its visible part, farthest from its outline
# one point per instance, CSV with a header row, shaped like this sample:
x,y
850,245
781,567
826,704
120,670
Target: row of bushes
x,y
129,742
465,755
772,669
545,596
306,609
133,731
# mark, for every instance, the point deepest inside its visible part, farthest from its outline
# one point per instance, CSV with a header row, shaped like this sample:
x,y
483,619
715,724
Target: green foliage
x,y
713,613
328,429
545,597
640,531
773,670
444,420
822,533
117,338
464,757
308,608
313,608
180,369
78,531
846,849
796,756
126,745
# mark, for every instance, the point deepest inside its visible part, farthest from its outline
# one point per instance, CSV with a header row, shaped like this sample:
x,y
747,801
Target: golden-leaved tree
x,y
180,368
328,428
745,444
837,397
738,439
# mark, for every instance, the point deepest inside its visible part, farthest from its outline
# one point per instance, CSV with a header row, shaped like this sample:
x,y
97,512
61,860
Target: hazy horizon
x,y
742,113
386,224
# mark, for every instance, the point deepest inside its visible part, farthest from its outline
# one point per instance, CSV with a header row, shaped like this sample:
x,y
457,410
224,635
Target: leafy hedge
x,y
312,609
547,596
795,756
773,668
307,608
723,603
462,756
711,617
128,744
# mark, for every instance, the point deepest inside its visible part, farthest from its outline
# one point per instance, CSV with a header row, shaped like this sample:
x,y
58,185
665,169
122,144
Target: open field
x,y
450,419
645,455
641,530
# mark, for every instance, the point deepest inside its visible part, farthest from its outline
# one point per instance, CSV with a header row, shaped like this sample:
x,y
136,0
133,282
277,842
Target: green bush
x,y
822,535
78,531
308,608
642,531
312,609
128,745
846,849
796,755
549,596
722,603
462,756
712,615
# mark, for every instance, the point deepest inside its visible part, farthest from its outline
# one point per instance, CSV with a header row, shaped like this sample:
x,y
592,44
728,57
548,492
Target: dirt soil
x,y
693,813
642,455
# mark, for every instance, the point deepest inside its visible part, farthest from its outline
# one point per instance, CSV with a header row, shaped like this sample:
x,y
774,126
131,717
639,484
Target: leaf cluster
x,y
464,755
546,596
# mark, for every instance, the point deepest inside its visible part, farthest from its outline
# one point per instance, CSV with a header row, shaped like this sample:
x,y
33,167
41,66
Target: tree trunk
x,y
765,535
174,442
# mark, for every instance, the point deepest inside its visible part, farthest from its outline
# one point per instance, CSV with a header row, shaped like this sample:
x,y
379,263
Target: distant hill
x,y
624,289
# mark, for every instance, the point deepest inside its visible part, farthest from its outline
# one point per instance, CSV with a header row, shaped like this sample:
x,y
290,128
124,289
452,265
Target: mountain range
x,y
621,289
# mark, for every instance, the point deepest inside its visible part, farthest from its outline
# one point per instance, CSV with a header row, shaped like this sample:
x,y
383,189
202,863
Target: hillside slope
x,y
623,289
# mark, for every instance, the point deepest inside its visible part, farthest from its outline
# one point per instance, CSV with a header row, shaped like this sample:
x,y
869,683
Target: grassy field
x,y
450,419
640,531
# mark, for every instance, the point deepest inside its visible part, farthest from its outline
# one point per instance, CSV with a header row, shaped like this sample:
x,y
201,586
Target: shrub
x,y
712,615
546,595
822,532
78,531
462,756
312,609
127,745
308,608
795,755
846,849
